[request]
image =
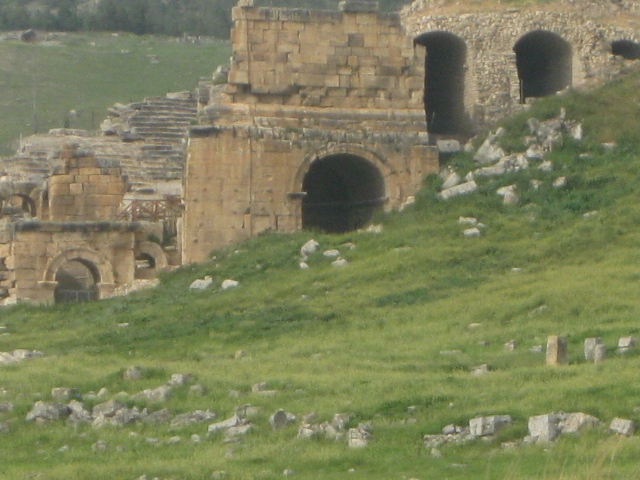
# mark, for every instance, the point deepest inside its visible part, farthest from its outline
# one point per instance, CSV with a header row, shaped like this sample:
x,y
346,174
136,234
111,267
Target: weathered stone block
x,y
483,426
544,428
590,348
623,427
556,350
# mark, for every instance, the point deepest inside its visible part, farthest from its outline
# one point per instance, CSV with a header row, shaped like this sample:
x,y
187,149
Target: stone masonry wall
x,y
491,83
85,189
303,85
32,252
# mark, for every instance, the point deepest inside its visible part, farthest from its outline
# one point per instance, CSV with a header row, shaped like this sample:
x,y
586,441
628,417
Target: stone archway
x,y
627,49
149,259
444,89
342,191
78,274
544,63
76,281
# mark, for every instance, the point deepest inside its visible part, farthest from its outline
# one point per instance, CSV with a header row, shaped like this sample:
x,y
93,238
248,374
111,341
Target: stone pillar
x,y
590,345
556,350
600,353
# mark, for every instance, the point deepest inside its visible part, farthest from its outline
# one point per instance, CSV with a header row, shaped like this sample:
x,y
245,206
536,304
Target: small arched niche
x,y
544,63
342,192
444,83
76,281
627,49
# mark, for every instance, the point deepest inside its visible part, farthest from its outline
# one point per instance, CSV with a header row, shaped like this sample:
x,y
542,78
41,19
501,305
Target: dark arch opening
x,y
444,82
145,266
543,60
626,49
343,191
77,281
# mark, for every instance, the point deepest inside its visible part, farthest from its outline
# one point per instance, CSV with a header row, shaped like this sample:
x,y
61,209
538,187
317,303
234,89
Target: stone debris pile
x,y
493,161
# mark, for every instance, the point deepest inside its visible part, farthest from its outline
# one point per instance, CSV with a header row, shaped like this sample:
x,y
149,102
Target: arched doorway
x,y
627,49
77,281
444,82
342,192
544,63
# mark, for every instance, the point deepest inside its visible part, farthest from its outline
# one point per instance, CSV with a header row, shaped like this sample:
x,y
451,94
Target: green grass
x,y
368,339
40,83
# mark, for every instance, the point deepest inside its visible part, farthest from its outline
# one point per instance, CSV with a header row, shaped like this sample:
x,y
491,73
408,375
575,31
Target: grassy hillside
x,y
390,339
41,83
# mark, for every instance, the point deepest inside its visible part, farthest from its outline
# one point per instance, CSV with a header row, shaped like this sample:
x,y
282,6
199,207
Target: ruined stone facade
x,y
326,114
321,121
324,118
76,248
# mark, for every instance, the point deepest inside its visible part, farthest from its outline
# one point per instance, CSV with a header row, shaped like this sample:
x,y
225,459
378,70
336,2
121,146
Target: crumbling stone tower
x,y
321,122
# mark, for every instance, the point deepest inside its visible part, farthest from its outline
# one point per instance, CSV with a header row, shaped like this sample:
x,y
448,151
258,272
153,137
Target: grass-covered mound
x,y
368,339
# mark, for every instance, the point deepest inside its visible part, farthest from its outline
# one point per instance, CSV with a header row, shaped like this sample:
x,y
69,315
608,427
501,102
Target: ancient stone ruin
x,y
322,118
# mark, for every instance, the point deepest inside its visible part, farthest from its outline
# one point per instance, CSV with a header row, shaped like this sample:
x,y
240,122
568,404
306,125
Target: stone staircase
x,y
148,139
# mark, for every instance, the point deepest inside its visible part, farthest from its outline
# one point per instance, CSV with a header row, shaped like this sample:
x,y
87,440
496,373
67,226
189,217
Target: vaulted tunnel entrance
x,y
626,49
342,193
444,82
76,282
543,60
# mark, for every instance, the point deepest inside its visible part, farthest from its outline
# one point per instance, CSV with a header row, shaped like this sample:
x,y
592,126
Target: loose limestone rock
x,y
229,284
489,152
623,427
309,248
556,350
626,343
483,426
360,437
462,189
590,348
201,283
43,412
544,428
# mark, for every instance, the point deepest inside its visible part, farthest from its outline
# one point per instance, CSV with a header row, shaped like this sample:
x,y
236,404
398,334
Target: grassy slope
x,y
367,339
88,73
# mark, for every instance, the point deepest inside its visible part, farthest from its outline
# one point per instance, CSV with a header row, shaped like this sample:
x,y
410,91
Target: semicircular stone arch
x,y
444,82
150,258
343,187
96,262
544,61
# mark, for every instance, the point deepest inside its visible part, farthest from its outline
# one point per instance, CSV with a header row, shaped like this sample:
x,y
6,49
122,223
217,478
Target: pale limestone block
x,y
556,350
544,428
623,427
590,348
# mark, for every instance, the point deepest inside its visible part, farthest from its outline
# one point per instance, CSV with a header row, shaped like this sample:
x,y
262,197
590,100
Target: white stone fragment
x,y
462,189
472,232
201,283
544,428
622,426
229,283
467,221
308,248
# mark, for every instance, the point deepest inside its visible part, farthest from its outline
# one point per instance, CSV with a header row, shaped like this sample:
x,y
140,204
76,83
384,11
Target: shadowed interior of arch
x,y
77,282
145,266
342,193
543,60
626,49
444,82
